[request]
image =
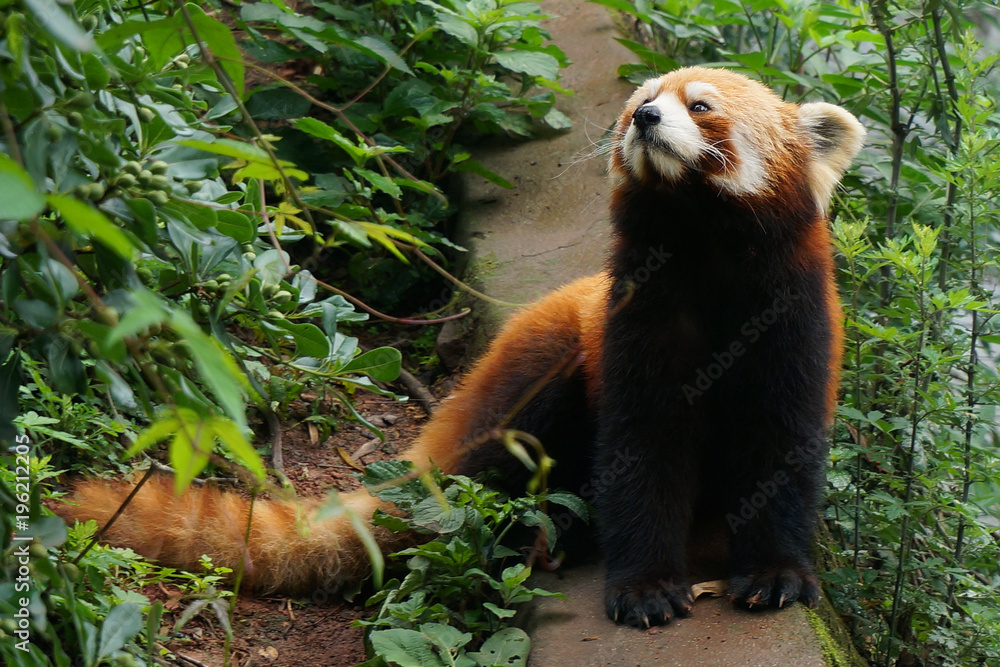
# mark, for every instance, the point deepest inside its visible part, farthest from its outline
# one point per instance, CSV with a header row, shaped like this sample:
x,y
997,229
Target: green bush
x,y
914,499
458,593
157,218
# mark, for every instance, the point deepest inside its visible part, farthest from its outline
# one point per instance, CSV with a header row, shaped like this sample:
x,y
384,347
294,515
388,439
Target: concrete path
x,y
552,228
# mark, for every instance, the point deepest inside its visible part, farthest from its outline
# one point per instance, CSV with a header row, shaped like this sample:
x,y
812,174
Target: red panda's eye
x,y
700,107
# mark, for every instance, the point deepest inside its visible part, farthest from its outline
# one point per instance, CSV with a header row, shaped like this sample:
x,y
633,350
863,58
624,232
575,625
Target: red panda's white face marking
x,y
718,127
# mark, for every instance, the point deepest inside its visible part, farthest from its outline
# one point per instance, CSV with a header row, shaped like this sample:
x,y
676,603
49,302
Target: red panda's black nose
x,y
646,116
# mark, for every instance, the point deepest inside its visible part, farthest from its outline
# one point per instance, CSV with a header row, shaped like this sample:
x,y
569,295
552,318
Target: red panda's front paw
x,y
775,587
642,606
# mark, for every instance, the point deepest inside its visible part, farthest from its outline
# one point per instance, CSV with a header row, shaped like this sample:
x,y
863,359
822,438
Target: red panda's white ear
x,y
836,137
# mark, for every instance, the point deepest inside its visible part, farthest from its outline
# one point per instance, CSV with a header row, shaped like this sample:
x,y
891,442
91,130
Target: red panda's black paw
x,y
775,587
646,605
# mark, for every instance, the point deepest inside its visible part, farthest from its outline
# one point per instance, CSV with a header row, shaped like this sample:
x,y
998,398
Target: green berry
x,y
223,278
125,181
269,290
88,23
146,115
282,297
158,197
276,314
82,100
158,167
159,182
97,191
75,119
250,256
145,176
132,167
211,285
71,571
38,550
53,132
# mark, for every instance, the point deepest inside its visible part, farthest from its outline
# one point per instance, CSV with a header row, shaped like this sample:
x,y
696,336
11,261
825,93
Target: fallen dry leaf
x,y
716,588
348,460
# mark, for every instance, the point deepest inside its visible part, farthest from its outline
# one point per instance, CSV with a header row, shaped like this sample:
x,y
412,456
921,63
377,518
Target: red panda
x,y
699,370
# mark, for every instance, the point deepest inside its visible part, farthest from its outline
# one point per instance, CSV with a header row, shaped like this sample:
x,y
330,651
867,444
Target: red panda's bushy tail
x,y
287,549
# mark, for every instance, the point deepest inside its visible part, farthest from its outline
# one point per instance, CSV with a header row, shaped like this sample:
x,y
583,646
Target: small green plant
x,y
57,608
459,592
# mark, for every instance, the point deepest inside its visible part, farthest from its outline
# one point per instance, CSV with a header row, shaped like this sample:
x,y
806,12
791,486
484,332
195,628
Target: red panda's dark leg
x,y
773,481
647,472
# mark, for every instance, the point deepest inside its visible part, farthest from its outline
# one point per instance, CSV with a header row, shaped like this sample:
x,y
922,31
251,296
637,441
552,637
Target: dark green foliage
x,y
153,236
458,592
914,498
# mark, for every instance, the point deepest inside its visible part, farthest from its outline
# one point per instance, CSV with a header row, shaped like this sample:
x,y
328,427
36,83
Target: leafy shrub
x,y
154,236
457,594
914,502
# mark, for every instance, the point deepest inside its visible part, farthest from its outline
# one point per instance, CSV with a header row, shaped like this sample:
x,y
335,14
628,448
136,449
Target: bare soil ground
x,y
277,630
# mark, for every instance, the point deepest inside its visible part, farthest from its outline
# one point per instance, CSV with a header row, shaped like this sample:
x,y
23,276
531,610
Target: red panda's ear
x,y
836,137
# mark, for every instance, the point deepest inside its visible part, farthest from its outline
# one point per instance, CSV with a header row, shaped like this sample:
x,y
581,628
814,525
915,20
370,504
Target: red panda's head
x,y
721,128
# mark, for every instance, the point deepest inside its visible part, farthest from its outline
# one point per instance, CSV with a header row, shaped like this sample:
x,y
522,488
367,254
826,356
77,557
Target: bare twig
x,y
416,389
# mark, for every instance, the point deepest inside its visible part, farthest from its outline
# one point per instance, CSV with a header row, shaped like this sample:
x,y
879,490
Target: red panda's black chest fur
x,y
705,330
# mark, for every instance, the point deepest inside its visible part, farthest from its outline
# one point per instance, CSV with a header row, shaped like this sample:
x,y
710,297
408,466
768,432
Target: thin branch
x,y
416,389
455,281
121,508
343,117
227,84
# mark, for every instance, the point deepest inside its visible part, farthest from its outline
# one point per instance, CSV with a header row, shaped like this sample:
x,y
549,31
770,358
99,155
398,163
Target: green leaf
x,y
36,313
88,221
60,25
382,364
557,120
573,503
65,368
188,451
122,624
166,38
220,41
215,366
310,341
19,199
234,440
147,310
383,52
405,648
515,575
237,226
476,167
154,433
656,61
532,63
508,647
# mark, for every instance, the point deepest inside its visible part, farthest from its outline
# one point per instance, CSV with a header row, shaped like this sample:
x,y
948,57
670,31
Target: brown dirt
x,y
279,630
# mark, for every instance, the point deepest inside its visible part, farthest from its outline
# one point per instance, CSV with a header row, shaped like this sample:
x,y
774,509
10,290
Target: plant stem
x,y
911,455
